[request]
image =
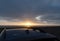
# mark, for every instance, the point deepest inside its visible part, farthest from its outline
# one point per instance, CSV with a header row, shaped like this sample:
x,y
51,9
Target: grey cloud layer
x,y
18,9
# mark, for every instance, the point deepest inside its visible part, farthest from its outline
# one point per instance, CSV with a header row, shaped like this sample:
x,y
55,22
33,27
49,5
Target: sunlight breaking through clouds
x,y
43,11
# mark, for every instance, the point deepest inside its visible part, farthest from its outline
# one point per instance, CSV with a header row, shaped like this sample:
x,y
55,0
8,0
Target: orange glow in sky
x,y
28,24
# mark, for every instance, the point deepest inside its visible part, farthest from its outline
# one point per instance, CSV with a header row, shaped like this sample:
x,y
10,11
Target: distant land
x,y
12,26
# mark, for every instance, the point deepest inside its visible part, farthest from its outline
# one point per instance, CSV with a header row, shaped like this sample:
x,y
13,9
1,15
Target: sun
x,y
28,24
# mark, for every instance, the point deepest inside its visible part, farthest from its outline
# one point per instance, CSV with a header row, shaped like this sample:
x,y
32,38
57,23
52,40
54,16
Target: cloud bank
x,y
18,10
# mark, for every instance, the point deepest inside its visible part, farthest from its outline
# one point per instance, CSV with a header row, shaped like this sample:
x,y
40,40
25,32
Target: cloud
x,y
18,10
50,18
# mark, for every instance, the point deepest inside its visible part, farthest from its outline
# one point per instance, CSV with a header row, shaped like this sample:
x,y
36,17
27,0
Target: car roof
x,y
27,34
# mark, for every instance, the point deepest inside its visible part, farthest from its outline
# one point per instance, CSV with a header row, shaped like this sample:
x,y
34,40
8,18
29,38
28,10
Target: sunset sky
x,y
13,12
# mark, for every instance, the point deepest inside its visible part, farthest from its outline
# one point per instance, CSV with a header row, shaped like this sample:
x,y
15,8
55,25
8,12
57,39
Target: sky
x,y
39,11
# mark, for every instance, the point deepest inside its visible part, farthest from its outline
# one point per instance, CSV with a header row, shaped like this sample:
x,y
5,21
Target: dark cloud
x,y
20,9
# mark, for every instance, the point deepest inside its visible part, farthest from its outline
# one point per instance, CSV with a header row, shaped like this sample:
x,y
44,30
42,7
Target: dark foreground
x,y
55,30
